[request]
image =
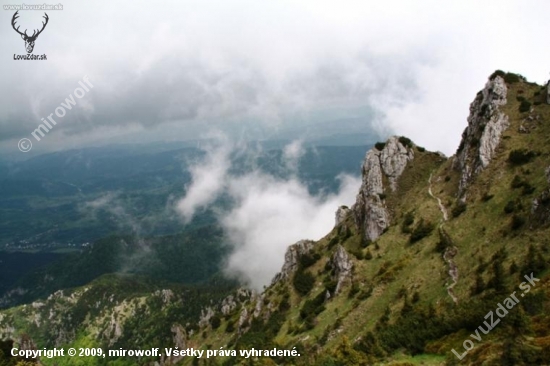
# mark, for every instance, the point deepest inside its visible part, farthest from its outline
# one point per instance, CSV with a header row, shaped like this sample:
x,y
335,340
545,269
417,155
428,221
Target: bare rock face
x,y
165,295
231,302
369,209
206,315
370,212
180,335
486,123
259,305
292,255
548,92
243,324
393,159
228,304
342,266
341,214
113,330
179,338
6,329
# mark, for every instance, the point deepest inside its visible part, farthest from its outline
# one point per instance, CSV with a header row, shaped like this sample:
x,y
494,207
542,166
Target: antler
x,y
43,24
15,16
34,34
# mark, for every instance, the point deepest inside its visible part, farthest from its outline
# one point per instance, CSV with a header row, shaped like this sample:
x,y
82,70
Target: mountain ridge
x,y
431,245
376,214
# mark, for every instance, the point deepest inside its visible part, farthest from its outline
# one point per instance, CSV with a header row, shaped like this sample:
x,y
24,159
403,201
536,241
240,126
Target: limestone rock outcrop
x,y
243,323
341,214
179,335
371,214
228,304
342,265
165,295
114,330
486,123
292,257
393,159
206,314
259,305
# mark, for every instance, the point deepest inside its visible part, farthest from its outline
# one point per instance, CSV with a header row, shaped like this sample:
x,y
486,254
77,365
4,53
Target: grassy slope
x,y
87,315
478,233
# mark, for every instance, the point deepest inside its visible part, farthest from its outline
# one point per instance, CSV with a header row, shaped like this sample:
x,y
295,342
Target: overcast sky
x,y
173,70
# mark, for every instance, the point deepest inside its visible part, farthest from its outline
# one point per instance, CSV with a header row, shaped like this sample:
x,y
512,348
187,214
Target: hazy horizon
x,y
179,70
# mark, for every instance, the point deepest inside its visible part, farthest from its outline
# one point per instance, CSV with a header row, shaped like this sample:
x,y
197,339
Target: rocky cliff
x,y
386,278
342,266
292,256
381,170
486,123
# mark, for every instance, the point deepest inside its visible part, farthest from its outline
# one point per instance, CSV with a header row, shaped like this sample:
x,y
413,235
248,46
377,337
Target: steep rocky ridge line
x,y
486,123
371,213
292,256
342,265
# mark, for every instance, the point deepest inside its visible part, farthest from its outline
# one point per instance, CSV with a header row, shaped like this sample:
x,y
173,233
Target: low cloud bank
x,y
268,213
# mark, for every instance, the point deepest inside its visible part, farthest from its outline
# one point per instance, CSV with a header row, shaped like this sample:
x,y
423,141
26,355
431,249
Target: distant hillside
x,y
65,199
194,256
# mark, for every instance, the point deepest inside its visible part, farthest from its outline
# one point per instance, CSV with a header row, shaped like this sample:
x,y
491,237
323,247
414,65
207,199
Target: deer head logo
x,y
29,40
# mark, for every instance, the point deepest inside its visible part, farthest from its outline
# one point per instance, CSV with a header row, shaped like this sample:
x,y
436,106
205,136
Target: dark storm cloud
x,y
173,66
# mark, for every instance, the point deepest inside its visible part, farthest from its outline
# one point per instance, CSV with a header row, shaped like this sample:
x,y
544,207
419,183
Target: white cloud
x,y
208,179
292,153
191,63
268,213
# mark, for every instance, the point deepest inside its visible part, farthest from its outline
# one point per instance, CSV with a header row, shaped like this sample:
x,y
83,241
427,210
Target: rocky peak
x,y
259,305
206,314
165,295
243,320
370,210
341,214
486,123
179,339
393,159
228,304
342,266
292,256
